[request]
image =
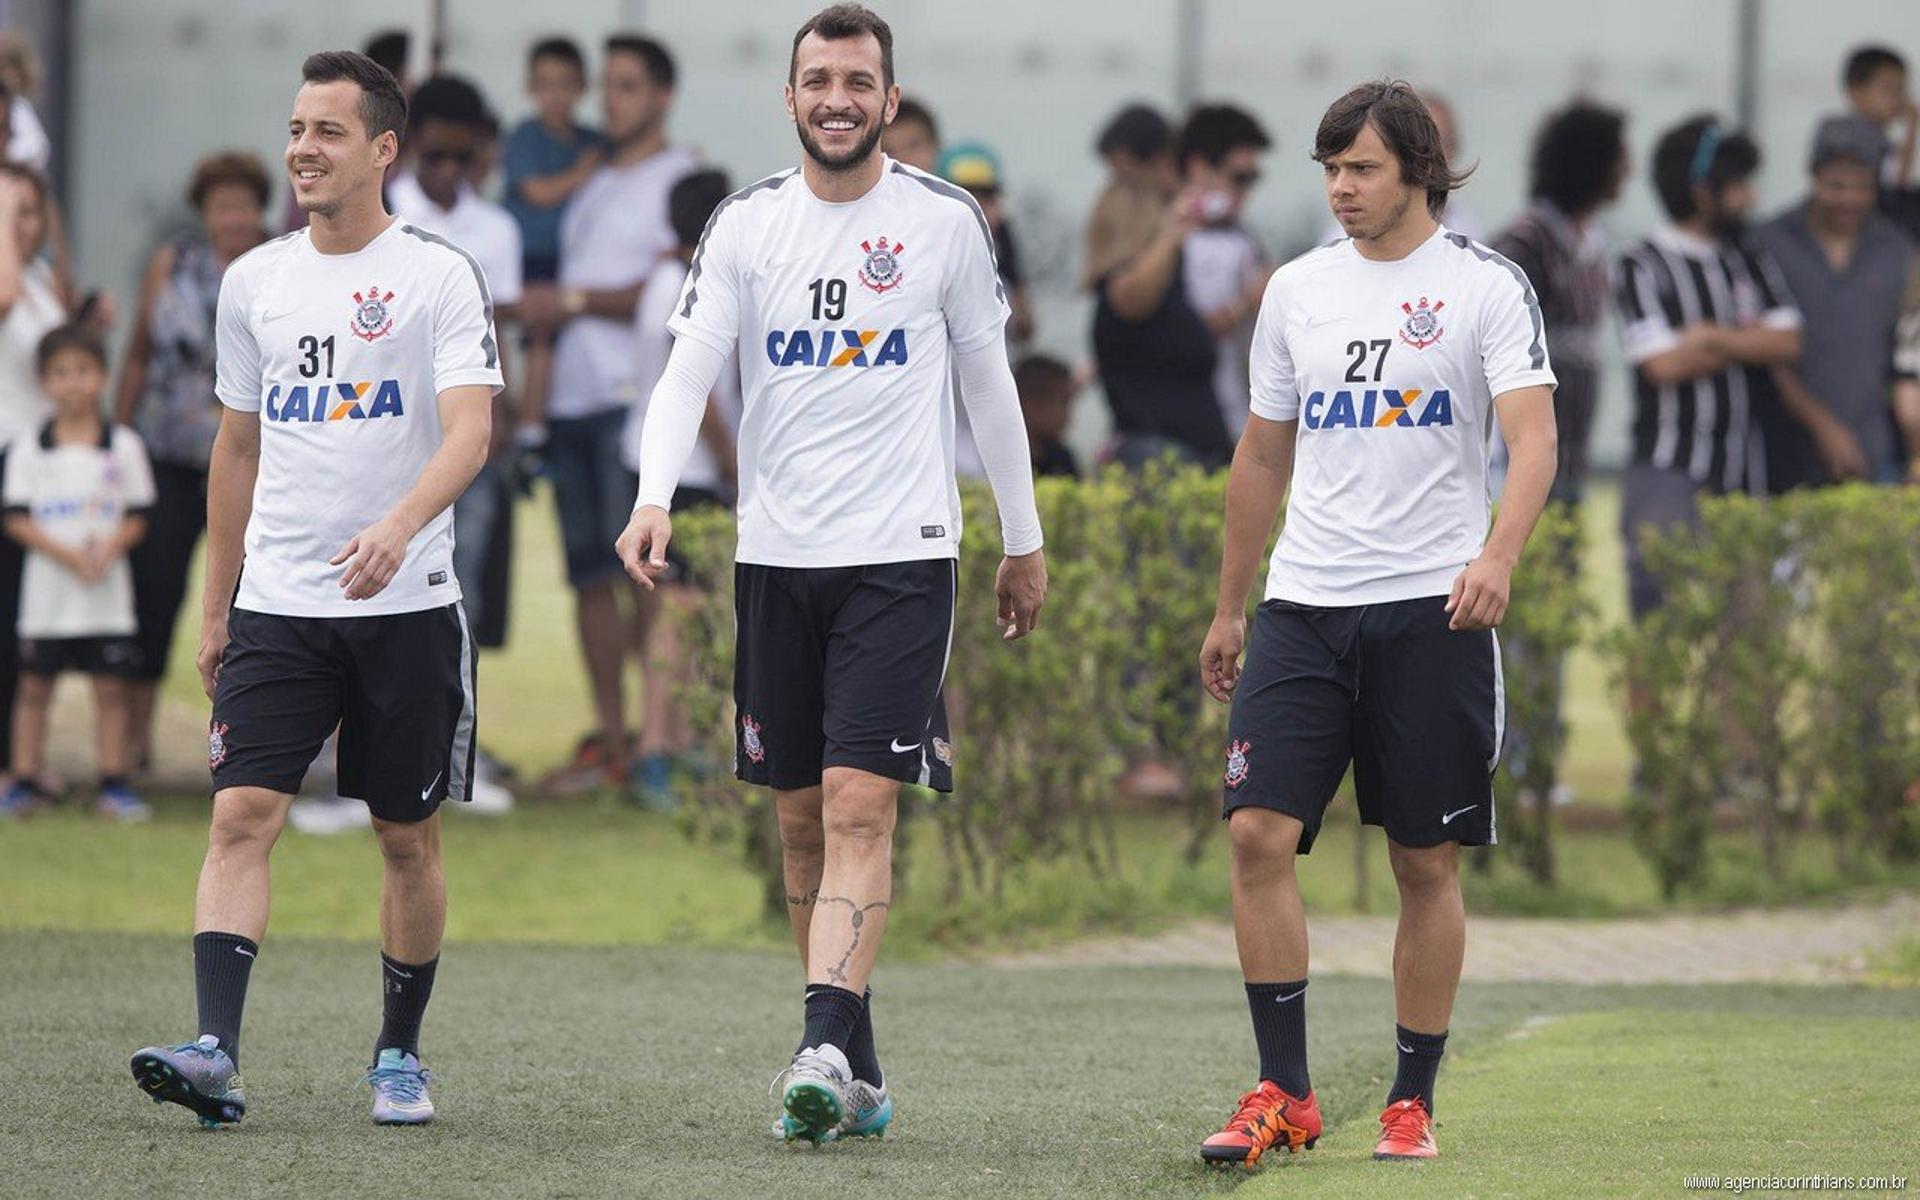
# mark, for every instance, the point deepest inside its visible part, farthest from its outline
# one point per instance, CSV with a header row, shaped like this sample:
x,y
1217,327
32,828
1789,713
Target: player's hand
x,y
1479,598
1220,655
373,557
213,645
1020,588
1840,451
642,545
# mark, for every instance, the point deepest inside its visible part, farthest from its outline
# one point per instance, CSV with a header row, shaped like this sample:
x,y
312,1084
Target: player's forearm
x,y
1000,434
674,413
1255,488
230,480
1532,459
464,443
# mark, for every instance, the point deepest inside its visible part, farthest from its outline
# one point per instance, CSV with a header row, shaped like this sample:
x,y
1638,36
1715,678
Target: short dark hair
x,y
1867,61
74,335
229,167
1576,155
911,109
1137,129
389,48
1401,118
1040,373
383,107
652,55
563,48
1214,131
692,202
840,21
447,98
27,175
1699,151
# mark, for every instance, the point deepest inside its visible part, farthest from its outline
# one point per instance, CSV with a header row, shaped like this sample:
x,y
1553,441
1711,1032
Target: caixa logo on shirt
x,y
837,348
1378,408
334,401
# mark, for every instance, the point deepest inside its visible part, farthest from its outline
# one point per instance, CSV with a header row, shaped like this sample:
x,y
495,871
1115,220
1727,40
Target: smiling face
x,y
839,99
330,156
1364,187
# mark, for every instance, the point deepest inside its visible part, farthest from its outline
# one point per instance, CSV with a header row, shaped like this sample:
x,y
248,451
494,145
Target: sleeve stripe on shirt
x,y
1536,352
486,297
952,192
700,251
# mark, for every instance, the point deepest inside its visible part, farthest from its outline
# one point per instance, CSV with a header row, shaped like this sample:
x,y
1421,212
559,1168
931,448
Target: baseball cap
x,y
971,165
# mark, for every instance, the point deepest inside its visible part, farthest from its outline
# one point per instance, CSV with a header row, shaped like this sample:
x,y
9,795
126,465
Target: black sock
x,y
1280,1030
861,1055
221,964
112,781
832,1012
407,990
1419,1063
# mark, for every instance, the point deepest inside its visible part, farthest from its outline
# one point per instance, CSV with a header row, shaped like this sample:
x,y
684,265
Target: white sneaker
x,y
329,815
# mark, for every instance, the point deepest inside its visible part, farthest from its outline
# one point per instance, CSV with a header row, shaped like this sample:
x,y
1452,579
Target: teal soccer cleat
x,y
399,1085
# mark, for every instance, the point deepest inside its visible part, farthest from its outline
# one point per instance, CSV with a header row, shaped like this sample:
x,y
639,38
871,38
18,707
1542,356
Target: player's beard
x,y
844,162
1393,217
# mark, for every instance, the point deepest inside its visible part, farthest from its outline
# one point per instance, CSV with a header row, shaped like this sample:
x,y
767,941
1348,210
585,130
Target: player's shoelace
x,y
408,1087
1248,1117
1406,1121
805,1065
196,1049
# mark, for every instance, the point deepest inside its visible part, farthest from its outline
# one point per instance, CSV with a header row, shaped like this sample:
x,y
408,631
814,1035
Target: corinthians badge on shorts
x,y
1237,762
750,739
372,319
1422,327
880,270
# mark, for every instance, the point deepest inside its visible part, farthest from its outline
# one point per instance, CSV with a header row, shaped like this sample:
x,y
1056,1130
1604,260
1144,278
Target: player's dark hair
x,y
383,107
1039,375
27,175
1576,156
1214,131
652,55
448,98
1699,151
1866,62
1401,118
692,201
237,167
71,336
1138,130
389,48
841,21
910,110
563,49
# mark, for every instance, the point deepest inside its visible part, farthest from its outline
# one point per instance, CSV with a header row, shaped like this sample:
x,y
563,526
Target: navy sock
x,y
832,1012
861,1055
1419,1063
1280,1030
222,963
408,988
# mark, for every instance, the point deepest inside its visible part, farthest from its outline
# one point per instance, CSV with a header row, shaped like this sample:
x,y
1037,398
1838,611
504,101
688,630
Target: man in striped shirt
x,y
1703,315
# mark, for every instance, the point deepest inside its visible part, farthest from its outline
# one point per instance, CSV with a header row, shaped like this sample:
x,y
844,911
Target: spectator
x,y
166,392
1224,268
1906,375
24,137
1846,265
1579,165
976,168
913,137
1703,315
76,498
615,231
1137,146
1875,82
1047,387
391,48
707,482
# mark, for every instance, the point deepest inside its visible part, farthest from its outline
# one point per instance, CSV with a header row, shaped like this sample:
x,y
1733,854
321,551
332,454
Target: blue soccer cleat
x,y
198,1075
399,1086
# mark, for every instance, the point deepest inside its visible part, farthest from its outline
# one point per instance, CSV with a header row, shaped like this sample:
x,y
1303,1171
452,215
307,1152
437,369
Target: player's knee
x,y
1263,839
1424,868
802,834
410,846
858,821
245,819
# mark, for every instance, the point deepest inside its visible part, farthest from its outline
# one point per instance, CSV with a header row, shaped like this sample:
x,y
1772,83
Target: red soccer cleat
x,y
1266,1117
1406,1132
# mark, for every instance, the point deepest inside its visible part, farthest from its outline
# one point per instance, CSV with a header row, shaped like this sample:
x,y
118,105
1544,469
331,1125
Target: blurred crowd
x,y
1768,351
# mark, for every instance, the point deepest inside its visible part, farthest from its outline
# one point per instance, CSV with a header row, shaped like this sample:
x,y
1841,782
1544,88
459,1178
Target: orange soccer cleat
x,y
1406,1132
1266,1117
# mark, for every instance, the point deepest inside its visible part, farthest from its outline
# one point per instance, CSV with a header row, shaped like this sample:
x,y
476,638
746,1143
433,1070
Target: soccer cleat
x,y
869,1112
399,1086
22,799
1267,1117
120,803
813,1093
1406,1132
198,1075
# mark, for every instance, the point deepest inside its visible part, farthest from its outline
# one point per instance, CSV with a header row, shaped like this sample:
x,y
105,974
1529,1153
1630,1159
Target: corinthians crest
x,y
1237,763
750,739
372,319
880,269
216,743
1422,327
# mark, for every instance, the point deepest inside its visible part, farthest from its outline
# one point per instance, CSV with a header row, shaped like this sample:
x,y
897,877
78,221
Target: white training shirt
x,y
1391,369
847,317
477,225
77,494
616,229
652,343
344,357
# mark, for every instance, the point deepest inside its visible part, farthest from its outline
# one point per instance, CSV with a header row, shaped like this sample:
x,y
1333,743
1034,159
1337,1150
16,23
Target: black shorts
x,y
119,657
1416,708
400,688
842,667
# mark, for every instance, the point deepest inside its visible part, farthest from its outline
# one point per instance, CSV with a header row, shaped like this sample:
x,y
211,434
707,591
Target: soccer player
x,y
1379,362
357,364
851,285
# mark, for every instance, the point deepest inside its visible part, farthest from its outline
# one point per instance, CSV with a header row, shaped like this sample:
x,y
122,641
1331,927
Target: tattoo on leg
x,y
837,974
803,901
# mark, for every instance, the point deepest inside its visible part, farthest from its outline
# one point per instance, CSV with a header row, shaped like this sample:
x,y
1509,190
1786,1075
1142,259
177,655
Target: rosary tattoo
x,y
837,974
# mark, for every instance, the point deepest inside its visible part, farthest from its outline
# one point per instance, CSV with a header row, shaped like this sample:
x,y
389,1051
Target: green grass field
x,y
582,1071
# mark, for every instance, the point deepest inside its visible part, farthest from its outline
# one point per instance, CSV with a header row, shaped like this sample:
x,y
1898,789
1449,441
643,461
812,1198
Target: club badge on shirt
x,y
372,320
1422,327
881,270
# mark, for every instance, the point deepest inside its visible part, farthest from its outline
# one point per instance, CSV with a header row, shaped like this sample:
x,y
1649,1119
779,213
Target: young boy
x,y
76,498
1875,82
1047,387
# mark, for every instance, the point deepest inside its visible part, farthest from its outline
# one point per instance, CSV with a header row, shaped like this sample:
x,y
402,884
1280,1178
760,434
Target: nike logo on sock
x,y
1448,819
400,973
243,950
1289,996
1404,1048
428,790
899,749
